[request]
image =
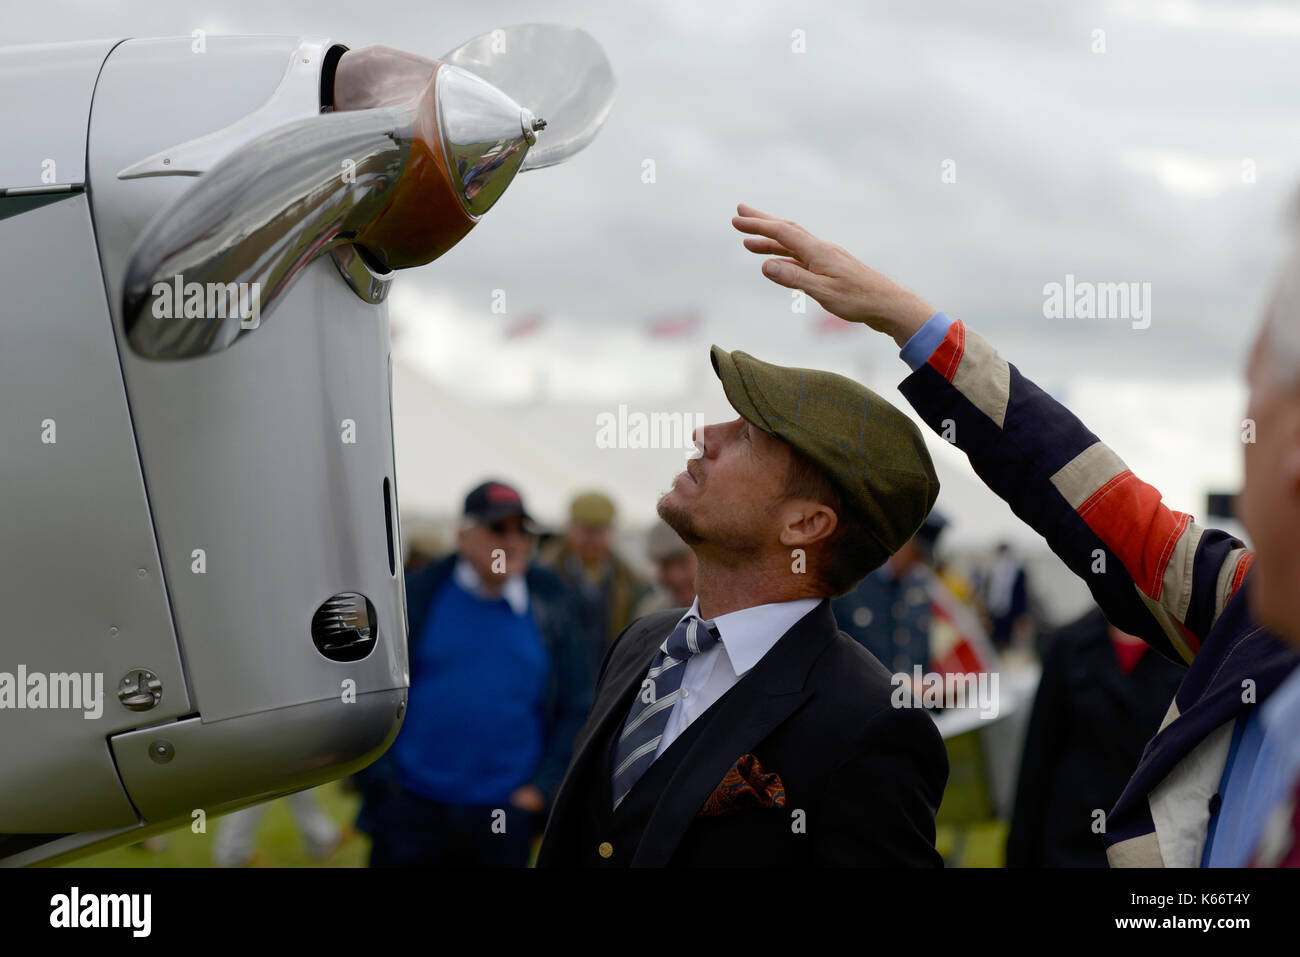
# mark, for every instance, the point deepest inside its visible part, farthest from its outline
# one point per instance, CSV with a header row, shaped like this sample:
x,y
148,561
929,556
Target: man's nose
x,y
706,438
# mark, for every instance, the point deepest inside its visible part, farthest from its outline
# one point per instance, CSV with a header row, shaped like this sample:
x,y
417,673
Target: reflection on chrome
x,y
392,184
379,189
485,134
368,279
260,216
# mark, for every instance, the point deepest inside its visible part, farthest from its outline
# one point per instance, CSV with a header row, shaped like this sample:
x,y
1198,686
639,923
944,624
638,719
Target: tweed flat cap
x,y
873,452
592,510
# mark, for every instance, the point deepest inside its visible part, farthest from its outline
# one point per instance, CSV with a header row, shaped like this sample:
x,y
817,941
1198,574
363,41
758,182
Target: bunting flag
x,y
958,644
524,326
673,325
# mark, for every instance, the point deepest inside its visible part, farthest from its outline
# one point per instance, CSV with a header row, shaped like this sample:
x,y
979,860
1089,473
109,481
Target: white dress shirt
x,y
745,637
514,589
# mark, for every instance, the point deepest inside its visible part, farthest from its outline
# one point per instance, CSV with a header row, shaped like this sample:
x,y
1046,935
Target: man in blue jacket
x,y
498,691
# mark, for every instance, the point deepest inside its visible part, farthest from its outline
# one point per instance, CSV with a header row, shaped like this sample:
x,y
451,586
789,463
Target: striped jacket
x,y
1155,573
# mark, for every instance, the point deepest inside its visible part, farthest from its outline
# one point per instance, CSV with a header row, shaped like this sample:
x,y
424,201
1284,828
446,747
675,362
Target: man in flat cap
x,y
748,730
606,590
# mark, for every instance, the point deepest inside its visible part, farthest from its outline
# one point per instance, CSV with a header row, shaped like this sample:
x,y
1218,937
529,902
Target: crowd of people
x,y
444,770
1101,695
463,756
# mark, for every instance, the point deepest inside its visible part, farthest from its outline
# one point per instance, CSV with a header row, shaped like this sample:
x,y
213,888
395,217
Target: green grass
x,y
278,844
985,843
965,826
963,822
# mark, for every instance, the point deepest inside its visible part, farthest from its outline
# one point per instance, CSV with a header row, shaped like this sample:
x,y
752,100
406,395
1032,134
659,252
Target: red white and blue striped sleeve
x,y
1155,572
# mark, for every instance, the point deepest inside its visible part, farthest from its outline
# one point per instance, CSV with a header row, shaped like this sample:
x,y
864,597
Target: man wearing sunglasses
x,y
498,691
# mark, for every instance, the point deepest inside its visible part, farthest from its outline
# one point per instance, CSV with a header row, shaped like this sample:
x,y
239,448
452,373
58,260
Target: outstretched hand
x,y
842,285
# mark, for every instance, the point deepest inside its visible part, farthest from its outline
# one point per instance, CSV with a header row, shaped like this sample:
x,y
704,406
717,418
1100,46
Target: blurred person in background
x,y
959,583
1101,697
498,691
235,841
674,571
888,613
605,587
1218,784
1006,597
423,544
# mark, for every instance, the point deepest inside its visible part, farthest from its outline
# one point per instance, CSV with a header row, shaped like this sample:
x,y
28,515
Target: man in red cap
x,y
498,690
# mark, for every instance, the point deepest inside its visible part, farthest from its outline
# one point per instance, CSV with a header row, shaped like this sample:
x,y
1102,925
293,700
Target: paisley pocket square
x,y
745,786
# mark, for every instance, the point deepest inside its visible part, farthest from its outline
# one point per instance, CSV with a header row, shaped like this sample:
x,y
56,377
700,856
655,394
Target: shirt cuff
x,y
925,340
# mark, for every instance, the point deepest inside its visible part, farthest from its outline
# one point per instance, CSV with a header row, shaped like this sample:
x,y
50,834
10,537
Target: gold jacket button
x,y
606,849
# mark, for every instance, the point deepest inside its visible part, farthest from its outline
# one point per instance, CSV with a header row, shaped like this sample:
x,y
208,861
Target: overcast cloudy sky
x,y
1117,166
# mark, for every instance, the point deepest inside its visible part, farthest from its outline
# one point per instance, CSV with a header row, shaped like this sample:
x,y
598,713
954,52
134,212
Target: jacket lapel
x,y
611,706
759,702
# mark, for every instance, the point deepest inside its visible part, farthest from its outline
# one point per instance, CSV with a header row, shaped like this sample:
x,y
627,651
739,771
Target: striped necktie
x,y
648,716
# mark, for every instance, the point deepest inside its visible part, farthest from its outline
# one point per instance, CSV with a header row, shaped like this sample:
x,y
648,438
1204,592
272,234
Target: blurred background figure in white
x,y
1006,598
235,842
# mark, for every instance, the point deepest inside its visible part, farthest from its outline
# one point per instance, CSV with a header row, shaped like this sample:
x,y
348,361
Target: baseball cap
x,y
494,501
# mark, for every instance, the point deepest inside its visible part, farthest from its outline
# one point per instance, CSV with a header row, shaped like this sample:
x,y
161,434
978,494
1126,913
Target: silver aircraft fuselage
x,y
200,572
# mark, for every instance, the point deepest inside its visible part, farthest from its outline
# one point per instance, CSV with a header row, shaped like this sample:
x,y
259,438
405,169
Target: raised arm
x,y
1155,572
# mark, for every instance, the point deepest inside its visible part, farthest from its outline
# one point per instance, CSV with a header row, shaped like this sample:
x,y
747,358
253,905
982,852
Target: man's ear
x,y
805,522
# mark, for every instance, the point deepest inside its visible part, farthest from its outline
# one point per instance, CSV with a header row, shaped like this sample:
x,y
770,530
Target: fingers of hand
x,y
754,224
768,247
746,210
793,237
788,272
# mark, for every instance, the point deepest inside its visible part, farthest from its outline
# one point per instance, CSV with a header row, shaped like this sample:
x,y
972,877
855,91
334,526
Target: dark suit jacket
x,y
1086,734
817,711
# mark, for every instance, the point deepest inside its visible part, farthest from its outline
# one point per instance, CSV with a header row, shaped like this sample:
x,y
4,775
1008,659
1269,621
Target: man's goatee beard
x,y
679,521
